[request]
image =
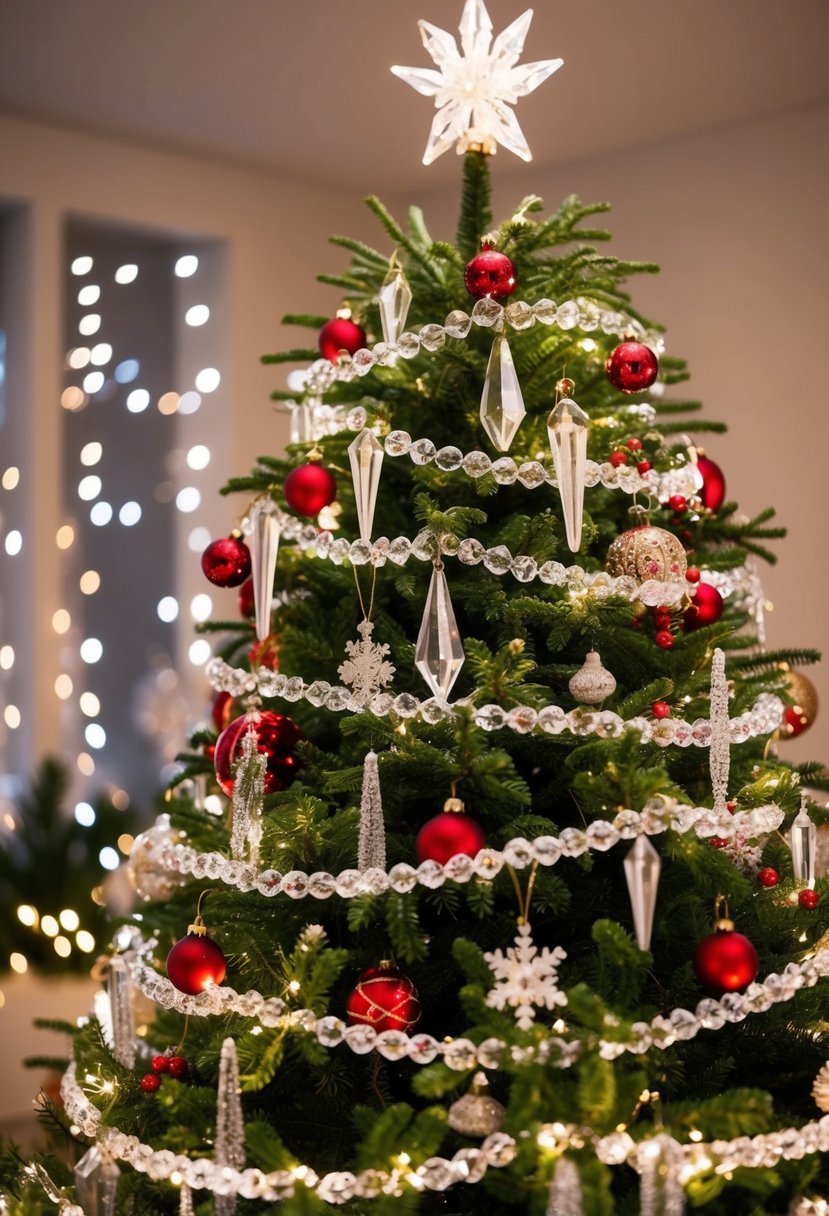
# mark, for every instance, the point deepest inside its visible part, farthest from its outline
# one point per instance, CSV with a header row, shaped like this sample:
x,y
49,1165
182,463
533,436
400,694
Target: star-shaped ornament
x,y
474,88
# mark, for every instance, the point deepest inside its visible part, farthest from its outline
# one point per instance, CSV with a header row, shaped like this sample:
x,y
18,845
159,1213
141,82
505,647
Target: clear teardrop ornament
x,y
366,455
439,652
642,867
264,551
394,299
502,404
567,427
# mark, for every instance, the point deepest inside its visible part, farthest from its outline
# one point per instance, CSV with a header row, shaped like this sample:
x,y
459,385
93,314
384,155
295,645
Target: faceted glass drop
x,y
502,406
439,652
264,551
96,1180
642,866
366,456
567,427
302,423
394,300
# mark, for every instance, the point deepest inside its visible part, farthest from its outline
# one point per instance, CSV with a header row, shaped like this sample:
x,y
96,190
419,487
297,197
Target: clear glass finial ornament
x,y
366,454
264,551
439,652
96,1182
642,866
567,427
394,299
803,841
502,404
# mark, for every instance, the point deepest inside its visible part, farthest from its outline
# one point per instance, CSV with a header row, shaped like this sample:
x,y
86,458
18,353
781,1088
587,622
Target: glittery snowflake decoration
x,y
366,670
475,87
525,977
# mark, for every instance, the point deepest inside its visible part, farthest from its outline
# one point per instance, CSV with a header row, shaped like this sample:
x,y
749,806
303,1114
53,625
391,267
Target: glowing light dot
x,y
199,314
27,915
91,650
188,499
213,805
65,537
89,295
49,926
198,457
85,941
90,324
95,735
85,763
297,380
101,514
64,686
11,477
167,608
69,920
6,658
11,716
89,582
186,266
8,820
63,947
18,963
73,398
81,265
125,842
199,652
120,799
201,606
293,986
127,370
188,403
89,487
108,858
127,273
129,514
138,400
61,620
168,403
100,354
14,539
90,705
91,453
93,382
208,380
199,539
79,357
85,815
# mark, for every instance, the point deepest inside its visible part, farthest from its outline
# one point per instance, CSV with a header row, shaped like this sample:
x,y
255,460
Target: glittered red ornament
x,y
195,963
150,1083
178,1067
447,835
160,1063
664,638
768,877
712,494
661,709
706,607
726,961
226,561
490,273
340,333
807,898
385,999
632,367
276,738
247,607
309,488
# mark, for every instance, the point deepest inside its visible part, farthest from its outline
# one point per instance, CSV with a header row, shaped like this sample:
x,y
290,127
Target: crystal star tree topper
x,y
474,88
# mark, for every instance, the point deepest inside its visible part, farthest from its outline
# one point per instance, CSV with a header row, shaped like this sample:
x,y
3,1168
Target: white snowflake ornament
x,y
475,87
366,670
526,977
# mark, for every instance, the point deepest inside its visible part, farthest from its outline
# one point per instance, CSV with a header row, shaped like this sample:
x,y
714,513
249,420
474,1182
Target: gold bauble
x,y
646,553
800,715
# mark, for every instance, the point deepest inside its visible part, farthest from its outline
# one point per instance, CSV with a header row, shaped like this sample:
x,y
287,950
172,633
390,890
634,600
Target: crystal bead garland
x,y
803,845
394,299
642,866
366,454
567,427
439,652
502,405
264,551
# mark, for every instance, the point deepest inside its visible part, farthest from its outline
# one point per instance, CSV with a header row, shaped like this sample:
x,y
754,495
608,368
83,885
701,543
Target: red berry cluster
x,y
175,1066
619,456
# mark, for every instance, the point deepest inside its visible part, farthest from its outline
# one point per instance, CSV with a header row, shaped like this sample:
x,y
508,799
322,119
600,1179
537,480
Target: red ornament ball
x,y
768,877
705,608
490,273
447,835
692,574
226,561
309,488
178,1067
617,459
247,607
664,638
385,999
195,964
712,494
719,842
726,961
225,709
340,334
678,503
661,709
634,444
276,738
643,467
150,1083
160,1063
807,898
632,367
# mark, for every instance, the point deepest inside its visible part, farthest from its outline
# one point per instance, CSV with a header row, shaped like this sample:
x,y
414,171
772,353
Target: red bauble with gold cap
x,y
449,834
384,998
226,561
340,333
490,273
712,491
309,488
726,961
196,962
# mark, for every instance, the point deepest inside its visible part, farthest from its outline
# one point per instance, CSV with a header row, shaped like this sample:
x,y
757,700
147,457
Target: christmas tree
x,y
507,900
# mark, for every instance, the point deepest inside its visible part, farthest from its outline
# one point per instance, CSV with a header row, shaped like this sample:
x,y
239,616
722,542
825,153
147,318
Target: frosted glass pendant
x,y
502,405
642,866
264,550
366,456
96,1181
803,845
394,300
439,652
302,423
567,427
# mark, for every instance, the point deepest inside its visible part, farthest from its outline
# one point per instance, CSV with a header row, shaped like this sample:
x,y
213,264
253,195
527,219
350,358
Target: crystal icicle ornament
x,y
502,405
660,1161
119,988
719,752
302,422
230,1124
248,796
803,841
439,652
366,456
264,551
96,1181
371,848
565,1197
592,683
394,299
642,866
567,427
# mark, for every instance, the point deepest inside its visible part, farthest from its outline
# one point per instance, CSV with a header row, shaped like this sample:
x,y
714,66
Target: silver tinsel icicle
x,y
565,1190
230,1124
660,1191
720,748
248,795
371,849
119,989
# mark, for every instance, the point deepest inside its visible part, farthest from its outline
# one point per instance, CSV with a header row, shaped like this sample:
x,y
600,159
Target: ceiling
x,y
303,89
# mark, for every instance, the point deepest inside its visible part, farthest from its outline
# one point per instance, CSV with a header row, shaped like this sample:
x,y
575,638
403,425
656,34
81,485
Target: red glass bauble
x,y
160,1063
226,561
150,1083
664,638
768,877
225,709
634,444
678,503
490,273
178,1067
195,964
265,653
276,738
632,367
617,459
712,493
340,334
309,488
661,709
385,999
807,898
643,467
692,574
447,835
706,607
247,607
726,961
